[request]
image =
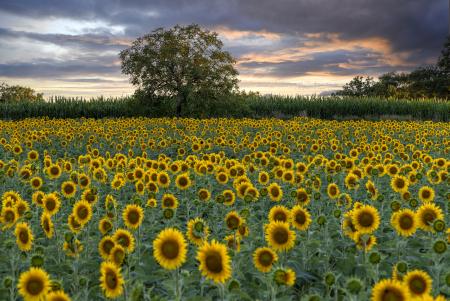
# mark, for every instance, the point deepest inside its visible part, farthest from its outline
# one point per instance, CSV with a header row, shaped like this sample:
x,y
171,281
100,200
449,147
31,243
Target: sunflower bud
x,y
439,225
395,206
413,203
28,215
374,258
329,279
68,236
234,285
440,247
83,281
168,213
321,220
314,298
55,285
263,191
317,196
7,282
402,267
354,285
337,213
37,261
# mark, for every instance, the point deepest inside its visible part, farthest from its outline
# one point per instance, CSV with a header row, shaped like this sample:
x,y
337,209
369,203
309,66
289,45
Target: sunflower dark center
x,y
300,217
280,216
35,286
417,285
83,212
275,192
50,205
281,236
232,222
68,189
265,258
214,263
133,217
9,216
366,219
428,217
406,222
23,236
119,255
426,194
111,280
400,183
170,249
107,246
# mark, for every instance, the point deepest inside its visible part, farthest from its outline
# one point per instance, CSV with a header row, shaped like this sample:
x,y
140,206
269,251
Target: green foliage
x,y
424,82
235,105
18,93
184,63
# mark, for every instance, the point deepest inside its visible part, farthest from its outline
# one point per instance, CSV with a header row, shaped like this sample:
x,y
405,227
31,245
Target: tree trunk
x,y
181,100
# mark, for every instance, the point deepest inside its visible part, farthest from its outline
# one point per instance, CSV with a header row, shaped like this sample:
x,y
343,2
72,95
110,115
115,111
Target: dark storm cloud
x,y
55,69
414,29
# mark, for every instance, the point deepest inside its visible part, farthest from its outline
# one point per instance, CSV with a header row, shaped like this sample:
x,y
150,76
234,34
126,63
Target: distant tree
x,y
180,62
358,86
18,93
444,60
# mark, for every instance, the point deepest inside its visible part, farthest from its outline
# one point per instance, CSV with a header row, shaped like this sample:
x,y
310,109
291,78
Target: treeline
x,y
425,82
249,105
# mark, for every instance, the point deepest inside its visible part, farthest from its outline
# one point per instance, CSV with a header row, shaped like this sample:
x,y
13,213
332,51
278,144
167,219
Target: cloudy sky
x,y
282,46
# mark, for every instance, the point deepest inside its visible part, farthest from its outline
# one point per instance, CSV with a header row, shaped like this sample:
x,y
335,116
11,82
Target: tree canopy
x,y
424,82
18,93
180,62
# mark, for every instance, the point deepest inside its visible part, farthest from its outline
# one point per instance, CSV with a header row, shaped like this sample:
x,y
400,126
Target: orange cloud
x,y
232,34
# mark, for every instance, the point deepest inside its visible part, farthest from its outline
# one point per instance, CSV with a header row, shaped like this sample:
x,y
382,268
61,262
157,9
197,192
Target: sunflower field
x,y
224,209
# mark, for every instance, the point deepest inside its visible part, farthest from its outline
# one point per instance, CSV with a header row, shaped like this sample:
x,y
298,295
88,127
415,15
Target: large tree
x,y
180,62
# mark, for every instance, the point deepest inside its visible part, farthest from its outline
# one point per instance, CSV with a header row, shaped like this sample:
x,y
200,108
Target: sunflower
x,y
36,183
34,284
9,216
132,216
233,220
125,239
170,248
68,189
204,194
182,181
74,225
427,214
21,207
275,192
47,224
405,222
347,225
263,178
57,296
38,197
364,241
279,236
111,280
24,237
264,258
53,171
82,212
333,191
214,261
351,181
73,248
399,183
302,197
426,194
229,197
284,277
163,179
222,177
117,255
233,242
370,186
197,231
366,219
300,218
279,213
105,246
419,283
51,203
105,225
390,290
169,201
